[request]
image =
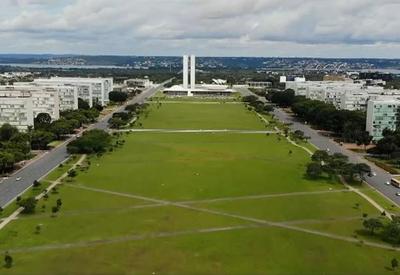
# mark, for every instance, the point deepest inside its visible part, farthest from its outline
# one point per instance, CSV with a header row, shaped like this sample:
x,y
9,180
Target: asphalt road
x,y
10,188
324,143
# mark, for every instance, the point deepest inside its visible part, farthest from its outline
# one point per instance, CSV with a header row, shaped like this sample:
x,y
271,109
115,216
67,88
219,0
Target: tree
x,y
41,138
61,127
314,170
250,98
116,122
118,96
36,183
7,132
91,142
394,263
299,135
42,121
320,156
7,161
362,169
82,104
38,228
364,138
59,203
72,173
54,210
372,224
285,98
8,260
28,204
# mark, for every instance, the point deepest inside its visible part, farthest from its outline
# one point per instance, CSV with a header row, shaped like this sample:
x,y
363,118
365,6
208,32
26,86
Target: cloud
x,y
163,26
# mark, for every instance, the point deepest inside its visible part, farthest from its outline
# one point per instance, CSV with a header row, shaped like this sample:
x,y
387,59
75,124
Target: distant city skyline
x,y
261,28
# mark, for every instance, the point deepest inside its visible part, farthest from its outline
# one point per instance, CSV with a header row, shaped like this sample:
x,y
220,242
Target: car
x,y
372,174
18,179
387,183
398,194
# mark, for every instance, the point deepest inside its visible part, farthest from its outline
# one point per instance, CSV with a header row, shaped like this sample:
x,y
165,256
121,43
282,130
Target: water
x,y
44,66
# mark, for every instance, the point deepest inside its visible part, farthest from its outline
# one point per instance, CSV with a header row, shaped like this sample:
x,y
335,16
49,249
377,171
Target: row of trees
x,y
46,131
349,125
14,147
257,104
91,142
131,111
336,165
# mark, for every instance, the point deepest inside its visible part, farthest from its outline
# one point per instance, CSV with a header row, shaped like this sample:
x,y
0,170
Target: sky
x,y
286,28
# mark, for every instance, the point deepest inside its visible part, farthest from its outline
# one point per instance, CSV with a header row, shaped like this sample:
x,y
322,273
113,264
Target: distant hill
x,y
259,63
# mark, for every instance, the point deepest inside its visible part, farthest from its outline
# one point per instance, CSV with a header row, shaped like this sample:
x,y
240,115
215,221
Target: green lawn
x,y
203,166
303,207
148,210
249,251
200,116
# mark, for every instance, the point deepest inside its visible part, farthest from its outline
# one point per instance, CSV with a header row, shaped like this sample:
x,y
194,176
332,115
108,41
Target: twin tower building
x,y
189,61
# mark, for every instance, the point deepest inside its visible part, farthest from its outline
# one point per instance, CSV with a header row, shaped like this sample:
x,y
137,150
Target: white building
x,y
138,83
68,94
382,114
43,101
259,84
92,90
16,110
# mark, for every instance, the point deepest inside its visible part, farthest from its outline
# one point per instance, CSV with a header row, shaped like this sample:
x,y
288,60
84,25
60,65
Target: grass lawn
x,y
249,251
200,116
379,198
115,228
302,207
202,166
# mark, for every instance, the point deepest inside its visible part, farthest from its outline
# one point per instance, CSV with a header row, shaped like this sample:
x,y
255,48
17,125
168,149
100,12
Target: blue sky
x,y
318,28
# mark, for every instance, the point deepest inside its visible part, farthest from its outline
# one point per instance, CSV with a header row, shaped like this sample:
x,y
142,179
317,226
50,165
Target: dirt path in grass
x,y
250,197
123,239
252,220
255,224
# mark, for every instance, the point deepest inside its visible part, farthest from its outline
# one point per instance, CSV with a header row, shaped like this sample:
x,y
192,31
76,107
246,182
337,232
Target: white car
x,y
387,183
398,194
18,179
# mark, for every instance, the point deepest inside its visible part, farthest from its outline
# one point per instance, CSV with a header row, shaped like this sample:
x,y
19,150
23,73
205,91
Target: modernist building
x,y
138,83
92,90
43,101
189,87
382,114
16,110
68,94
259,84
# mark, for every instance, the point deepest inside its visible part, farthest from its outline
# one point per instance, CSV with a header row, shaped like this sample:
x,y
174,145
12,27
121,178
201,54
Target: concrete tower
x,y
192,72
186,72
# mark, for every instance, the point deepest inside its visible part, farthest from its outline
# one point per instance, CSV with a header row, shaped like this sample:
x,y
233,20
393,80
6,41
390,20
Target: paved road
x,y
10,188
322,142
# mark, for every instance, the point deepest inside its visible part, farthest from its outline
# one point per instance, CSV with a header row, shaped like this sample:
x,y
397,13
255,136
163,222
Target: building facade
x,y
16,110
92,90
382,114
